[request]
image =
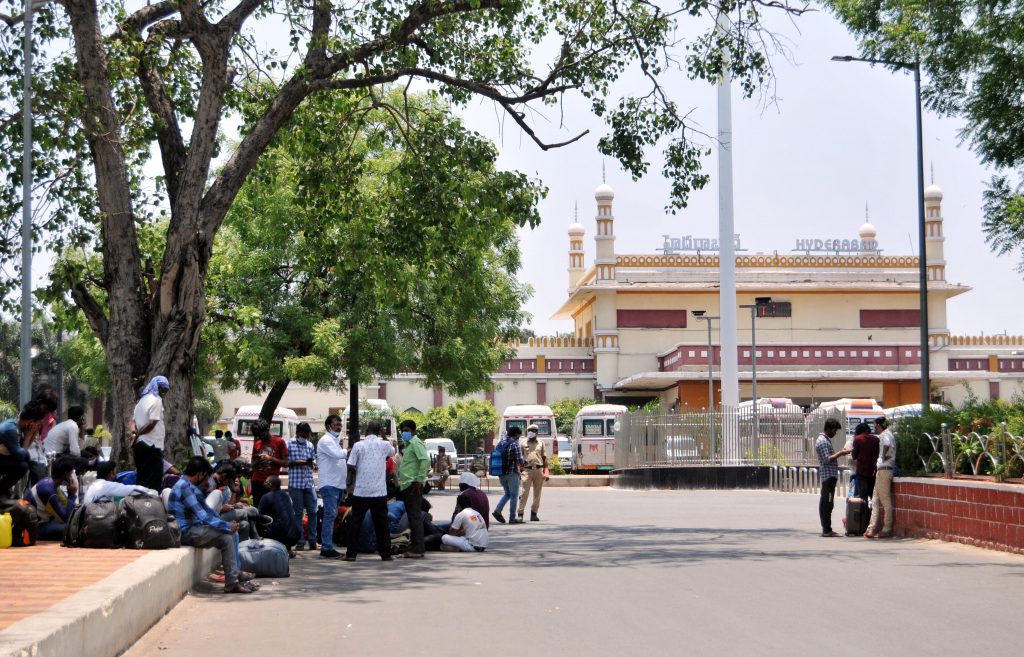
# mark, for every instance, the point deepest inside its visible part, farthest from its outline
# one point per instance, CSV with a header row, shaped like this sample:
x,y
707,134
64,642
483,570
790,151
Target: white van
x,y
283,425
593,437
523,415
379,406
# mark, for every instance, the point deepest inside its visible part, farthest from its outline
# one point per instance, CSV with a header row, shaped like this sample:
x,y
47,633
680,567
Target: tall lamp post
x,y
700,314
915,68
758,301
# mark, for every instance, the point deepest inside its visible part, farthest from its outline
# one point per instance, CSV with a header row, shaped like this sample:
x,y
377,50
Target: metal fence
x,y
804,479
726,436
999,453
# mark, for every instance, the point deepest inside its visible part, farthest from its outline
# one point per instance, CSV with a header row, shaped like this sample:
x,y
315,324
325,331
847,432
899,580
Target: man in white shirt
x,y
106,486
149,432
881,503
467,533
368,490
332,464
63,438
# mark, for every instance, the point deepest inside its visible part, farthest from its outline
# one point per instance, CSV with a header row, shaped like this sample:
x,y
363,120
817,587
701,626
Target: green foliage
x,y
565,411
969,51
7,410
767,455
437,423
471,422
359,247
555,465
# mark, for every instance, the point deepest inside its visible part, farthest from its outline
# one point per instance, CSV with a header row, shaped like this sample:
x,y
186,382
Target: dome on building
x,y
604,192
576,229
867,231
933,193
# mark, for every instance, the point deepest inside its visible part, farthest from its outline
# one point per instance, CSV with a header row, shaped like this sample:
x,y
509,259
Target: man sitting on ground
x,y
472,497
53,506
467,533
200,526
106,486
276,504
442,464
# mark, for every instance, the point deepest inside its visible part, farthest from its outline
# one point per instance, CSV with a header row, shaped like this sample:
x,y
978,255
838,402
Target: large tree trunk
x,y
273,399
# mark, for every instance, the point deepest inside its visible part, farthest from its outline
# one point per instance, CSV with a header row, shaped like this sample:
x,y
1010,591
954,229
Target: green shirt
x,y
415,464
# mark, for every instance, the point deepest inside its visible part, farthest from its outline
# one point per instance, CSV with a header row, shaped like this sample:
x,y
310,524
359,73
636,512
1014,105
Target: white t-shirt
x,y
370,458
63,439
885,439
474,526
331,461
151,407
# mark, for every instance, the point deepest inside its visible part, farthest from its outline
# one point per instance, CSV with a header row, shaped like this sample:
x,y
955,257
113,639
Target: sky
x,y
839,136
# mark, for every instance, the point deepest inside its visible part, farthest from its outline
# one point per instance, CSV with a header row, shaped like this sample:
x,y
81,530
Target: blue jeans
x,y
509,484
331,496
304,499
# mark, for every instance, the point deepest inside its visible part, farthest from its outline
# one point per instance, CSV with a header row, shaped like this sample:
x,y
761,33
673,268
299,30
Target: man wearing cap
x,y
472,497
536,472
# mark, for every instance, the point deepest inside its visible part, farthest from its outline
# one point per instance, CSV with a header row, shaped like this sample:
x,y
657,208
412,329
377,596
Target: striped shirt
x,y
827,469
300,476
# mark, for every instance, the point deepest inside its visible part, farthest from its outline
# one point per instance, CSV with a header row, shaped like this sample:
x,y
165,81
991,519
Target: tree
x,y
565,411
355,251
970,52
472,421
437,423
160,78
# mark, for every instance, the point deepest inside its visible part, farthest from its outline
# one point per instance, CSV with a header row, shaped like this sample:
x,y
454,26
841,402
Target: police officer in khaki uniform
x,y
536,472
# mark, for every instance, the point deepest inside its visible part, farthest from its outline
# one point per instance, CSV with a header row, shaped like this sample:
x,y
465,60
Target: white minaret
x,y
605,236
934,253
606,328
576,232
867,233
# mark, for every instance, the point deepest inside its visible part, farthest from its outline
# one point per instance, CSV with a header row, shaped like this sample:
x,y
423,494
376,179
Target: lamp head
x,y
698,313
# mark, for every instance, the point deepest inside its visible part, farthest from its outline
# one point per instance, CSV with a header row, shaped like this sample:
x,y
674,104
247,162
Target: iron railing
x,y
804,479
998,453
725,436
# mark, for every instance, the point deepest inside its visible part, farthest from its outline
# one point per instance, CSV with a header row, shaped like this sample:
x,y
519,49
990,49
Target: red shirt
x,y
275,447
865,454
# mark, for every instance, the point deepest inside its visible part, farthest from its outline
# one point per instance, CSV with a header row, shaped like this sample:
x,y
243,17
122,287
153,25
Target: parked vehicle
x,y
565,453
850,412
593,437
449,449
283,425
378,407
906,410
523,415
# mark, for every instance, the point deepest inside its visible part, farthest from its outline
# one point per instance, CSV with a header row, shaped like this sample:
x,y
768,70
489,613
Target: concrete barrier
x,y
106,618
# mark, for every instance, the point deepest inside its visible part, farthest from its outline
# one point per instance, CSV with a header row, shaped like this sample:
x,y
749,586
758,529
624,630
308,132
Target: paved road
x,y
627,573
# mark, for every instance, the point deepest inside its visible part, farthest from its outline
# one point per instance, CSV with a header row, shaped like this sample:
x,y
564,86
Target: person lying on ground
x,y
106,487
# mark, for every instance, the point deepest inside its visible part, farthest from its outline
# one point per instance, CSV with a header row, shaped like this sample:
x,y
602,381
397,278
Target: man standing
x,y
511,470
332,462
828,472
300,482
368,490
269,455
221,446
149,432
865,457
536,472
63,438
235,448
412,475
881,503
200,526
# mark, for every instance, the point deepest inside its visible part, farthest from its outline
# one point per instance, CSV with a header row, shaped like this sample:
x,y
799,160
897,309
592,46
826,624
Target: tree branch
x,y
232,22
91,308
168,131
16,19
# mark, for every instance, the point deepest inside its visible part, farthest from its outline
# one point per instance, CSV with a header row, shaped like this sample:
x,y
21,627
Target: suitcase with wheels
x,y
857,516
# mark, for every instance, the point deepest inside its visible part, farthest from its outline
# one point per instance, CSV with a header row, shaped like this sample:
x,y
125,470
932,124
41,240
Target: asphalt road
x,y
611,572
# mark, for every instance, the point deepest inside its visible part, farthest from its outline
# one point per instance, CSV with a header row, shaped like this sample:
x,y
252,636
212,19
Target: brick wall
x,y
984,514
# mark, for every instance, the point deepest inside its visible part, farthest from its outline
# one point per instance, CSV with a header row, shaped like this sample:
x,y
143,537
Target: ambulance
x,y
593,437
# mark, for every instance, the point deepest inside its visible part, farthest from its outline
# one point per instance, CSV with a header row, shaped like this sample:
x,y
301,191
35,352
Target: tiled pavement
x,y
36,578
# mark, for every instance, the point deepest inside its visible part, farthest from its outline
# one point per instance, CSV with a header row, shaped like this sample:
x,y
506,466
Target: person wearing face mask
x,y
412,475
300,482
332,463
536,472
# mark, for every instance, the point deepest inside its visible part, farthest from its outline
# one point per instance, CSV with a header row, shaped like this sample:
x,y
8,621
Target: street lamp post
x,y
758,301
915,68
700,314
26,214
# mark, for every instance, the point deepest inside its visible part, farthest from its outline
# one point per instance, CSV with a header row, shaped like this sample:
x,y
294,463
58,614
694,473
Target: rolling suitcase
x,y
857,516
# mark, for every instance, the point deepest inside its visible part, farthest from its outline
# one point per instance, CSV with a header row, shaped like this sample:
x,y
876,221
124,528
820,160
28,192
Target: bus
x,y
282,425
593,437
523,415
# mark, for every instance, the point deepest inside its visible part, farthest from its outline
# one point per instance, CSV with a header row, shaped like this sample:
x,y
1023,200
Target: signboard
x,y
836,246
689,243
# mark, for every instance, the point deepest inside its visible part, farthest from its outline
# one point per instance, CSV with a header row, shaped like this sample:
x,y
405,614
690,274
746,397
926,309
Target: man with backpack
x,y
200,525
507,464
412,475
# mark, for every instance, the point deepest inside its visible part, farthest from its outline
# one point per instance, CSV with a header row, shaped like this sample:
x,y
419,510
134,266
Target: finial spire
x,y
931,165
576,212
866,213
603,180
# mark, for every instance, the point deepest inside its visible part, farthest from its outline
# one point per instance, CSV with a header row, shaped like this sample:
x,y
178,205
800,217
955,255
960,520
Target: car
x,y
449,449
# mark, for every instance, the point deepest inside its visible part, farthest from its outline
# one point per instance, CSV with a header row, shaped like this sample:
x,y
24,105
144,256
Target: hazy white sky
x,y
840,136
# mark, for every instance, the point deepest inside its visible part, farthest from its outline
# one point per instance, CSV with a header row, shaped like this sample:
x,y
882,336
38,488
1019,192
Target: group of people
x,y
522,463
874,459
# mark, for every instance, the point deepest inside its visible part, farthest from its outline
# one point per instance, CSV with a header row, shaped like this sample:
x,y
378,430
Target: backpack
x,y
95,525
24,524
496,468
146,525
263,557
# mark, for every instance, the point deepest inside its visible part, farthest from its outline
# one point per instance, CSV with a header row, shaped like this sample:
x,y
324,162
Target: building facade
x,y
834,319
